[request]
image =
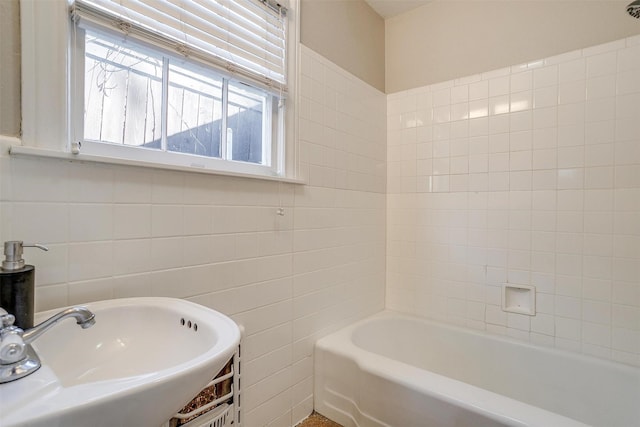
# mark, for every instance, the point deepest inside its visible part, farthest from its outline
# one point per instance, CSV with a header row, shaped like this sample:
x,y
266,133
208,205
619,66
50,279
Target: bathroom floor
x,y
317,420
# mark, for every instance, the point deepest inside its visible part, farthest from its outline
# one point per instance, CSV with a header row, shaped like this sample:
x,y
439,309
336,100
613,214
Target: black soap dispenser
x,y
17,283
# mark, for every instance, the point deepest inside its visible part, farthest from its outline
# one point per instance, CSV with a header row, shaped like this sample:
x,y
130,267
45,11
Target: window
x,y
138,97
181,83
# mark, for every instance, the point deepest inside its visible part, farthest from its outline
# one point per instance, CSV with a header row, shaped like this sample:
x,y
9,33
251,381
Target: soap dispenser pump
x,y
17,283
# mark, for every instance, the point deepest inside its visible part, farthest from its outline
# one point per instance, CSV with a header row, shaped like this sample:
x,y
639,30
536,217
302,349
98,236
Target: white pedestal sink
x,y
140,363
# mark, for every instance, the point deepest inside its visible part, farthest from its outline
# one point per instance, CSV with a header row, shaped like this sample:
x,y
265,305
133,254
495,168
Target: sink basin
x,y
142,361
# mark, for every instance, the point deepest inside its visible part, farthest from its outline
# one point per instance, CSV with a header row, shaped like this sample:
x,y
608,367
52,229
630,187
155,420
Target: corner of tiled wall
x,y
529,175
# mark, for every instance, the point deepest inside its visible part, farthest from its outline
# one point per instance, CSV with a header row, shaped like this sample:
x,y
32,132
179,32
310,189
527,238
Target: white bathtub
x,y
395,370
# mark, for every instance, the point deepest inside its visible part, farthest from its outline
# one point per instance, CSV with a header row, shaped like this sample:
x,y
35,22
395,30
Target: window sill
x,y
19,150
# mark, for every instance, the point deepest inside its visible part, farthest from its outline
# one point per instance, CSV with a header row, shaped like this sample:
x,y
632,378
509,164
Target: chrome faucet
x,y
17,357
84,317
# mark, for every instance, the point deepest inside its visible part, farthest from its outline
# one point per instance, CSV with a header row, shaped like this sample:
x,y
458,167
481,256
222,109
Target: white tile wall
x,y
528,174
121,231
531,175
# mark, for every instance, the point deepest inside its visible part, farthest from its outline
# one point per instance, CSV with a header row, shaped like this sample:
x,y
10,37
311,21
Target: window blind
x,y
246,37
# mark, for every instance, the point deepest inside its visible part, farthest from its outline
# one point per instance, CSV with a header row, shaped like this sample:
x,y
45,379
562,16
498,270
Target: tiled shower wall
x,y
116,231
527,175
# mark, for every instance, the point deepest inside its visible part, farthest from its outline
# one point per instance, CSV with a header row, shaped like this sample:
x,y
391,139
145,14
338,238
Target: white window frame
x,y
50,112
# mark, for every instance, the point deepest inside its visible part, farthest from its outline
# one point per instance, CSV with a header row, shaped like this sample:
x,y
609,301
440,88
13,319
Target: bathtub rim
x,y
473,398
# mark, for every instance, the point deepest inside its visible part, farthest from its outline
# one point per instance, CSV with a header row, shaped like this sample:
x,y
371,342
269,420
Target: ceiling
x,y
390,8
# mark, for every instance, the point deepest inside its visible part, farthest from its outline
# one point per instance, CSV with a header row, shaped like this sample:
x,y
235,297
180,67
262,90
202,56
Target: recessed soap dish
x,y
519,299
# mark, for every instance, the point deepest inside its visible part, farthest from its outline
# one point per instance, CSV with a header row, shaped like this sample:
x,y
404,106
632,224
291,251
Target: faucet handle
x,y
6,319
12,346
